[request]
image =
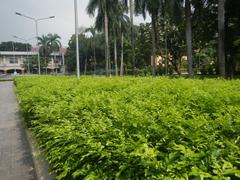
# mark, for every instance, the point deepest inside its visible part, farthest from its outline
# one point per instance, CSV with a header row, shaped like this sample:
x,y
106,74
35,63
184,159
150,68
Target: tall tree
x,y
131,7
129,4
54,43
45,49
103,15
153,7
118,22
114,23
43,42
189,37
92,30
121,62
124,24
232,39
221,37
174,11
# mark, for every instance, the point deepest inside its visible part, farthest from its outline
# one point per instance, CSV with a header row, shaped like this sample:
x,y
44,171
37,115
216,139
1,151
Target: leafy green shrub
x,y
135,128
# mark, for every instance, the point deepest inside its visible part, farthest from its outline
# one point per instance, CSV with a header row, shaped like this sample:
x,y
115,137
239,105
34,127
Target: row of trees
x,y
203,23
14,46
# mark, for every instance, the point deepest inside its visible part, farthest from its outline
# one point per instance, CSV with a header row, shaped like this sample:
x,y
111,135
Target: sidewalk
x,y
15,155
6,77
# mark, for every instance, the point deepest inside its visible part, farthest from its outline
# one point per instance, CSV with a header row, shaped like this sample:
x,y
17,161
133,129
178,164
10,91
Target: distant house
x,y
11,61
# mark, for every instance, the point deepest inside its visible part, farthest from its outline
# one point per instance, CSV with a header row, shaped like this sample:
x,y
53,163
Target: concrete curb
x,y
41,166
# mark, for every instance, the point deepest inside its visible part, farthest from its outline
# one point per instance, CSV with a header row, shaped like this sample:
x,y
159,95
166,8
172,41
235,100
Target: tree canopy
x,y
183,37
14,46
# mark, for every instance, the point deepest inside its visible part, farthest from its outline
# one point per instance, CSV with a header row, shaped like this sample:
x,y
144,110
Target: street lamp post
x,y
76,34
36,24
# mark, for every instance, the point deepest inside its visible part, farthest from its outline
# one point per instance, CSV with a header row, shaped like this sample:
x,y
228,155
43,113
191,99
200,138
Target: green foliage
x,y
85,51
135,128
8,46
205,59
143,44
48,44
233,36
33,63
45,49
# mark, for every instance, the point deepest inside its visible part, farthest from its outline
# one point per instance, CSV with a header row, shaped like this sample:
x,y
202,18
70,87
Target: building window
x,y
13,60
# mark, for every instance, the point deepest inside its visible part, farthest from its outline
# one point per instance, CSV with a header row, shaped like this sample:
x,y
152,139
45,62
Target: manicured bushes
x,y
135,128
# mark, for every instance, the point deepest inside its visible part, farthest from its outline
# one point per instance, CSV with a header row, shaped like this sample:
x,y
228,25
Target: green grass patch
x,y
135,128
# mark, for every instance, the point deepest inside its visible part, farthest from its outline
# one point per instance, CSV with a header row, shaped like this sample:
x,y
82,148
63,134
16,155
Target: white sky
x,y
62,24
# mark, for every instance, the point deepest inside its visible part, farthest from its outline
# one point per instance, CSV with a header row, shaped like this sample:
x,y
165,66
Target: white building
x,y
13,61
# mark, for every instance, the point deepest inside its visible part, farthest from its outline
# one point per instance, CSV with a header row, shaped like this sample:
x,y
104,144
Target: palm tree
x,y
124,24
54,43
153,7
44,46
118,22
121,64
221,37
45,49
189,37
92,30
103,15
114,25
131,7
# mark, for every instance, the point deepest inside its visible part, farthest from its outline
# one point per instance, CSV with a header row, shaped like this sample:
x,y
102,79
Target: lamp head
x,y
17,13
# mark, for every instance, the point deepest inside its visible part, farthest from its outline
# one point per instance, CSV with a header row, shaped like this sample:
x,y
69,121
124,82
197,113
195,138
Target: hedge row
x,y
135,128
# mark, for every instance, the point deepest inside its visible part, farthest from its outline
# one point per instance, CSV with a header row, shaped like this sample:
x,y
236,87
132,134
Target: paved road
x,y
15,156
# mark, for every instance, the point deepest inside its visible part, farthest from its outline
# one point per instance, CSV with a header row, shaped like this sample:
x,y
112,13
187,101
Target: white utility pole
x,y
76,34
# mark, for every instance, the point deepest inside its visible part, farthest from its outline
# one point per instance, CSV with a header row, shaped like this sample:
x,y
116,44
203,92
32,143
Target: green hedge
x,y
135,128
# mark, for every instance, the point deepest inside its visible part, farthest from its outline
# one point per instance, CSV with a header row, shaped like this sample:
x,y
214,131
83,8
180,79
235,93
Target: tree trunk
x,y
121,66
63,61
115,54
189,37
85,66
221,37
176,63
109,62
94,54
55,57
106,40
154,49
166,59
131,4
45,59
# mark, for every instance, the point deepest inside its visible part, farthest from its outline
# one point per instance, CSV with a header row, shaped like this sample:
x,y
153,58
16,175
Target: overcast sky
x,y
62,24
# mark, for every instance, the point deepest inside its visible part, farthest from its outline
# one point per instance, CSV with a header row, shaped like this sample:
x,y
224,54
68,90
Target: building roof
x,y
17,53
25,53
